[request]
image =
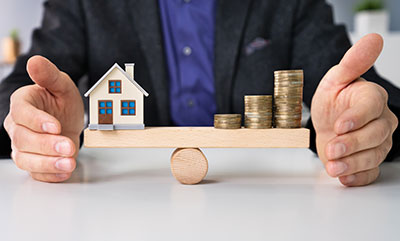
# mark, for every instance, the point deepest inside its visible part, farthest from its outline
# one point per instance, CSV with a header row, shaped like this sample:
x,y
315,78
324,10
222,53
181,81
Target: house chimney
x,y
130,70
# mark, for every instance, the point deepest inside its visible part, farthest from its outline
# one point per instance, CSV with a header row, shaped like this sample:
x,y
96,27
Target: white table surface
x,y
249,194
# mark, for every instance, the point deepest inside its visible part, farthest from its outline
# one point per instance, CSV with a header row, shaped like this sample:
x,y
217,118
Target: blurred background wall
x,y
22,15
344,12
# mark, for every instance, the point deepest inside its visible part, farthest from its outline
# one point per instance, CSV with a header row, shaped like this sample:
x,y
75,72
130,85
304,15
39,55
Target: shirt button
x,y
187,51
187,1
190,103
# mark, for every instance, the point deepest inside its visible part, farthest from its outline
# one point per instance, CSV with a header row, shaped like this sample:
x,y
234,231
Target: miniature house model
x,y
116,101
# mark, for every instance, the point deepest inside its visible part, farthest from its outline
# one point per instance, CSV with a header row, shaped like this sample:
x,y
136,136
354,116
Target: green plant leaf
x,y
14,34
369,5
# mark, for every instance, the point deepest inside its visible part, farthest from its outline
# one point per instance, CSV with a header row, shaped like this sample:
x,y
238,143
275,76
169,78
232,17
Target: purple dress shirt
x,y
188,28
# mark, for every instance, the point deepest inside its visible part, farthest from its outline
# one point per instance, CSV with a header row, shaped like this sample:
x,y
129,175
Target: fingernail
x,y
49,127
63,148
346,126
337,168
349,179
64,164
62,175
336,151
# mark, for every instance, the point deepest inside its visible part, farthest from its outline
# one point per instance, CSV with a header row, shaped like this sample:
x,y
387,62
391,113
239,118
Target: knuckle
x,y
36,121
383,94
44,145
353,164
382,151
385,149
376,95
16,137
7,123
352,142
389,143
372,175
380,155
372,161
13,155
13,111
13,147
65,75
16,156
19,164
395,121
38,165
14,96
382,131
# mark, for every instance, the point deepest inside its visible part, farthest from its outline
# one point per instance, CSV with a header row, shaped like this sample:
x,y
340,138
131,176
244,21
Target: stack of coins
x,y
288,98
228,121
258,111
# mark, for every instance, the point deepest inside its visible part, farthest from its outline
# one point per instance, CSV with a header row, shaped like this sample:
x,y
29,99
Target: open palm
x,y
45,122
353,123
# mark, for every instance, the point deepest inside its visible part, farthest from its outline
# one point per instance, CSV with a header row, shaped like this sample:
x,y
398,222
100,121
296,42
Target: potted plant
x,y
11,47
371,17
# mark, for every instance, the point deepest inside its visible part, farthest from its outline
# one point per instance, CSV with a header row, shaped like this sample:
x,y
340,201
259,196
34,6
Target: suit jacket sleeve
x,y
61,38
319,44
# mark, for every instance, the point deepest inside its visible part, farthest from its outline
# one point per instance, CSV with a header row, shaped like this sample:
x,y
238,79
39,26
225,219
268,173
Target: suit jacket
x,y
85,38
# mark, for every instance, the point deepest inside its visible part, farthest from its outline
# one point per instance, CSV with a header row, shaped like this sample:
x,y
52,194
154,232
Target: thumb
x,y
47,75
357,60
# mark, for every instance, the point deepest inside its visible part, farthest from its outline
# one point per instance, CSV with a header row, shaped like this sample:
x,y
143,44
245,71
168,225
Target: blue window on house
x,y
114,87
128,107
105,107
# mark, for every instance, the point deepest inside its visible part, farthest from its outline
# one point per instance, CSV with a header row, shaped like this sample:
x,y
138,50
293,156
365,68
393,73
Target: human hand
x,y
45,122
353,123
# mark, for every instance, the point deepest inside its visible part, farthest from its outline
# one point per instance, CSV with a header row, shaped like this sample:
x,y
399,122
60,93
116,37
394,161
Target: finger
x,y
42,164
25,114
370,136
358,60
361,178
50,177
394,121
8,123
47,75
369,106
360,161
25,140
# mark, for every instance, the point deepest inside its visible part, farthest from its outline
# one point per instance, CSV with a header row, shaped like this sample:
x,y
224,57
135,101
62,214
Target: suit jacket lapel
x,y
230,23
146,21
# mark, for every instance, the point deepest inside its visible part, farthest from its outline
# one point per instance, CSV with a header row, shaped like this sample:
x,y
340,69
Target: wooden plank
x,y
198,137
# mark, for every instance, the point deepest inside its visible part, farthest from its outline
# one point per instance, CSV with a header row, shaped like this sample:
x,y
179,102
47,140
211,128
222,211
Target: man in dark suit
x,y
196,58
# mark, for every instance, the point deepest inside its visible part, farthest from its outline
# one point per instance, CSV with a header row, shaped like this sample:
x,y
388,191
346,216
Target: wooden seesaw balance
x,y
188,163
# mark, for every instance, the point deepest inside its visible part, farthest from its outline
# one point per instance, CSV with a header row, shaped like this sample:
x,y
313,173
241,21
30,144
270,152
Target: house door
x,y
105,112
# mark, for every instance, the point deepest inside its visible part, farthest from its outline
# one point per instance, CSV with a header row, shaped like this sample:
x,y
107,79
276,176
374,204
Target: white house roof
x,y
124,73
